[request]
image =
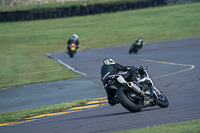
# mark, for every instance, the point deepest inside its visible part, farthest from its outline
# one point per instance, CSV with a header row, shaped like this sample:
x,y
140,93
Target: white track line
x,y
65,65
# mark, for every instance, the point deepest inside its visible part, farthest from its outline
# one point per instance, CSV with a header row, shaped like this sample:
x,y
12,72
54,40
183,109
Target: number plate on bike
x,y
73,48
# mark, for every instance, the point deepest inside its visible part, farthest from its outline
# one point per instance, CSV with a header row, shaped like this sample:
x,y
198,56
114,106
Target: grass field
x,y
27,113
23,45
182,127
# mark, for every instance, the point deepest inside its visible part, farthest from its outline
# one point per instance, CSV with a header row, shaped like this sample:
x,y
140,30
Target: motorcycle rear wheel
x,y
130,52
136,49
131,104
71,54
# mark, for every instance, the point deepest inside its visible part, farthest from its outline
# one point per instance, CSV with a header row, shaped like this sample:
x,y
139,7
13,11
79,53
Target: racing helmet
x,y
108,61
75,36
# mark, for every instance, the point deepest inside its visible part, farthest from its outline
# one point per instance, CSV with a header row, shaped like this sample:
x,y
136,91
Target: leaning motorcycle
x,y
134,48
130,97
71,49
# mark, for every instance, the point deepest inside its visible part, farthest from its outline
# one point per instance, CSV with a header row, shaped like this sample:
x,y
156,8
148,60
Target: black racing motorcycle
x,y
71,49
129,96
134,48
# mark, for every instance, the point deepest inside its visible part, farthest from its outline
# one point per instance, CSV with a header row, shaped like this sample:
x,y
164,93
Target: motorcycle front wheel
x,y
131,49
163,101
131,104
136,50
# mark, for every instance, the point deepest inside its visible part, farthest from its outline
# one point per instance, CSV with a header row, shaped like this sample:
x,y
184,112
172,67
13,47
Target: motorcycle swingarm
x,y
136,97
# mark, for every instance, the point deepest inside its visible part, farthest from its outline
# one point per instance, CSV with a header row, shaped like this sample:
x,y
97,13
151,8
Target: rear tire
x,y
133,105
136,50
71,54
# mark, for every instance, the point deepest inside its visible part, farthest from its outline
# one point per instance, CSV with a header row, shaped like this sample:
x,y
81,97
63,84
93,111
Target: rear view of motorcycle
x,y
134,48
134,96
71,50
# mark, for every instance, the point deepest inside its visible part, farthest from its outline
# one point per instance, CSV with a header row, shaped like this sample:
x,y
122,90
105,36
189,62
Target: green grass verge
x,y
182,127
26,113
23,45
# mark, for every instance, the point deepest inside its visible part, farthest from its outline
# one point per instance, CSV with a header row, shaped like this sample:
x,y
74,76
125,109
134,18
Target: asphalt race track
x,y
174,67
44,94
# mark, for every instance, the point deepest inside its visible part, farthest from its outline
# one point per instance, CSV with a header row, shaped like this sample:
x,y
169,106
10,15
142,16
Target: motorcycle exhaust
x,y
134,87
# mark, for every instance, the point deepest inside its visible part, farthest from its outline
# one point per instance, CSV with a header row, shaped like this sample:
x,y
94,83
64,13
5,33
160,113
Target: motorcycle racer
x,y
139,42
73,39
110,68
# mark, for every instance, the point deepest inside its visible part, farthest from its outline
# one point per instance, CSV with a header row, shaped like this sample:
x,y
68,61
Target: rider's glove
x,y
128,68
141,70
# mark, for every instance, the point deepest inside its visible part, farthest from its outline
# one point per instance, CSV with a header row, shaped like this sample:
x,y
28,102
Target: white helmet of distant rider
x,y
75,36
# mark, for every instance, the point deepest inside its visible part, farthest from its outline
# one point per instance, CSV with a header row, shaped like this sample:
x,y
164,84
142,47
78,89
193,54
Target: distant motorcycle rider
x,y
139,42
110,68
73,39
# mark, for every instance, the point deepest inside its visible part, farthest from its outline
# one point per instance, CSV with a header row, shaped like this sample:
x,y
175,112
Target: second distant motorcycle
x,y
72,45
138,44
134,48
71,50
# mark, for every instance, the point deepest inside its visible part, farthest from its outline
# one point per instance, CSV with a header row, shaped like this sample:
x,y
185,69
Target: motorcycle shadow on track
x,y
115,114
103,115
150,109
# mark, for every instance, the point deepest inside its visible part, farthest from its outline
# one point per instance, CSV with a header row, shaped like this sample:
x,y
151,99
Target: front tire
x,y
130,52
131,104
163,101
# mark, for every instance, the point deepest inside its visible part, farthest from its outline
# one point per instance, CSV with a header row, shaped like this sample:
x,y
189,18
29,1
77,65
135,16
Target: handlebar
x,y
141,68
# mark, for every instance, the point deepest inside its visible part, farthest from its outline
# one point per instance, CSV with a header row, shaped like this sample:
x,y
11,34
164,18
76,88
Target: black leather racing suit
x,y
139,43
107,70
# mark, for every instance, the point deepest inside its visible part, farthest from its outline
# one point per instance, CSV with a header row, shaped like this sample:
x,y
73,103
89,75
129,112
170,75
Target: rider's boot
x,y
116,100
113,101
